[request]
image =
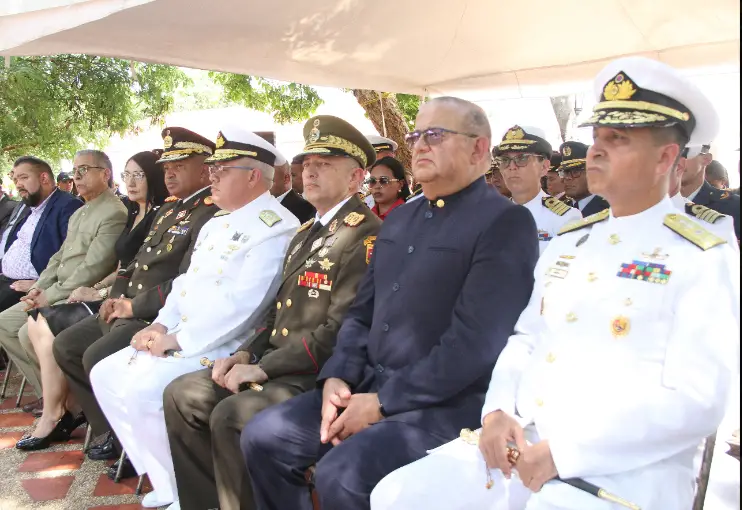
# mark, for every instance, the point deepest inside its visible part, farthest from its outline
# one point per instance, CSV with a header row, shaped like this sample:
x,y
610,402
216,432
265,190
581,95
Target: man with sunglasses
x,y
524,157
141,289
449,276
573,172
212,308
85,257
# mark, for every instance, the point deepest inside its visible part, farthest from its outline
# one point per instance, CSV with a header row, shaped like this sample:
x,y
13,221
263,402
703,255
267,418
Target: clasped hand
x,y
113,309
154,338
359,411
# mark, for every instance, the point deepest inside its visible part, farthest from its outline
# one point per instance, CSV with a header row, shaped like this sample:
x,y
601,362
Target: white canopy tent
x,y
415,46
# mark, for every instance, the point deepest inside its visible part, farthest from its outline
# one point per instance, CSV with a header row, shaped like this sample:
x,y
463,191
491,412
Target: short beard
x,y
33,199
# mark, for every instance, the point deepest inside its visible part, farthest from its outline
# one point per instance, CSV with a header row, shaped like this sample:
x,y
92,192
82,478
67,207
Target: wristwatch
x,y
103,293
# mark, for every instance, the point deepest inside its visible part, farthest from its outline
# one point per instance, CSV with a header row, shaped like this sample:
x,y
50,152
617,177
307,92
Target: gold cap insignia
x,y
168,141
354,219
567,151
220,140
515,133
314,134
619,88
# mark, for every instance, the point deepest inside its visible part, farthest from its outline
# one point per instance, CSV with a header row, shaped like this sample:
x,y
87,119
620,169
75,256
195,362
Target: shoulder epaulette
x,y
221,212
702,212
692,231
353,219
305,225
269,217
171,199
555,205
584,222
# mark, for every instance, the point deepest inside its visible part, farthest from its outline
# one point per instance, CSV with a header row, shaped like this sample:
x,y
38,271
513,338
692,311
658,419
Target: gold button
x,y
145,267
220,271
136,265
182,294
184,318
139,286
539,402
285,332
211,247
439,203
274,333
149,250
195,269
61,265
288,303
159,251
628,302
278,305
550,358
571,317
591,277
614,239
131,284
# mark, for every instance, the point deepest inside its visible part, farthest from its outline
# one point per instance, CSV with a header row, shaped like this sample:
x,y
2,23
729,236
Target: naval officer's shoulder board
x,y
555,205
585,222
703,213
692,231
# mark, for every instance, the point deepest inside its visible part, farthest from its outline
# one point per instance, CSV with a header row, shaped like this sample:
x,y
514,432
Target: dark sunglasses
x,y
432,136
371,181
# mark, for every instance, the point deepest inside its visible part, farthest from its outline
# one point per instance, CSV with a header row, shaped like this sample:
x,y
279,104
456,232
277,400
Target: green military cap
x,y
326,135
181,143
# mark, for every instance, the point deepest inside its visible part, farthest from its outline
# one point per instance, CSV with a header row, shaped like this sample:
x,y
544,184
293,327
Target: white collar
x,y
283,195
536,201
636,221
329,215
196,193
679,201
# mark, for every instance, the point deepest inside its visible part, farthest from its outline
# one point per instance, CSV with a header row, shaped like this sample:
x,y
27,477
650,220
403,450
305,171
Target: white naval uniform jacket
x,y
548,222
623,377
232,279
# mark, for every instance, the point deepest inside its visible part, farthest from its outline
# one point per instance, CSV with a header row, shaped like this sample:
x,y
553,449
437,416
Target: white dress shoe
x,y
152,500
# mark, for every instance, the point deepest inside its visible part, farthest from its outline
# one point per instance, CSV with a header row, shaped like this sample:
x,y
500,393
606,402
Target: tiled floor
x,y
60,478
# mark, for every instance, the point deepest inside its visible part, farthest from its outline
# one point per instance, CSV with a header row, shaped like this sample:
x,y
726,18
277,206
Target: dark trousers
x,y
204,422
8,296
280,443
78,348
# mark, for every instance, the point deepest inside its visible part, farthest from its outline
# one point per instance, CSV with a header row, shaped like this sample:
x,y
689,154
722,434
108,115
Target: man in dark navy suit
x,y
449,276
49,211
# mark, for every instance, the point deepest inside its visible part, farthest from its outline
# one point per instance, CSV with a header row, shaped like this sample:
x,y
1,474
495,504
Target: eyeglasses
x,y
82,170
138,176
384,181
432,136
219,169
520,160
571,174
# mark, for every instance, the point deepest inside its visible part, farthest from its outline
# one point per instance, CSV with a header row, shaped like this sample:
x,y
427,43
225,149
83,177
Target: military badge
x,y
556,272
324,251
315,281
354,219
309,263
220,140
180,215
313,293
333,226
236,236
645,271
369,244
171,199
316,244
515,133
582,240
619,88
314,134
305,225
269,217
168,213
208,201
169,247
620,326
325,264
543,235
567,151
296,248
656,254
168,140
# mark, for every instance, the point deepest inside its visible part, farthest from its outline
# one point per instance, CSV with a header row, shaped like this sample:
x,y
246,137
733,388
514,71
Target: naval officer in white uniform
x,y
621,363
230,284
523,158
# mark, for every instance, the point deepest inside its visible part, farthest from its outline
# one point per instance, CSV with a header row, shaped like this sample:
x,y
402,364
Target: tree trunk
x,y
392,119
564,110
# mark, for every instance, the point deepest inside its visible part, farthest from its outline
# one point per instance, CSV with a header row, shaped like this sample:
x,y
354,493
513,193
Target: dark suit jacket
x,y
302,328
722,201
51,231
165,254
595,205
299,207
7,206
436,307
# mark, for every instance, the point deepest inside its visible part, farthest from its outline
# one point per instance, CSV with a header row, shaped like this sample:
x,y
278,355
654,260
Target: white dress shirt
x,y
329,215
16,263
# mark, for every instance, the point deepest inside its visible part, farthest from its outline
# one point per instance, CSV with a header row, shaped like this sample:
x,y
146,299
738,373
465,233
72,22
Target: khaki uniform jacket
x,y
165,254
320,279
88,253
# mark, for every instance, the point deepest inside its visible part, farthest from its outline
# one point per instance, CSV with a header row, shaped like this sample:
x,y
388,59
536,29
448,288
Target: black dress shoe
x,y
61,433
79,421
127,471
105,451
35,407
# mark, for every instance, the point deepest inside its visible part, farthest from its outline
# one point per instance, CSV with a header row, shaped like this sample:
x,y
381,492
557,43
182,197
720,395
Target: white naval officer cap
x,y
641,92
381,143
235,142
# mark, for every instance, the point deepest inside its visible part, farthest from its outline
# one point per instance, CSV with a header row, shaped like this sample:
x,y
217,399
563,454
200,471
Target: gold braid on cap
x,y
194,146
572,162
644,106
221,154
322,145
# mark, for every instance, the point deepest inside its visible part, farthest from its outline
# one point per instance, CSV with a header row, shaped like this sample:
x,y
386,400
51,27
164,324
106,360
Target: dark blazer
x,y
51,231
302,328
7,206
165,254
436,307
722,201
595,205
299,207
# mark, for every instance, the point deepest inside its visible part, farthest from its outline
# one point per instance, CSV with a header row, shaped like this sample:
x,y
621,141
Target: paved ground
x,y
60,478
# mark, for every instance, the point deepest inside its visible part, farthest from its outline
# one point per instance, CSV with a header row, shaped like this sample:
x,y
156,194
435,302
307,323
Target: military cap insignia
x,y
620,88
314,134
692,231
703,213
584,222
567,151
269,217
515,133
171,199
369,244
305,225
220,140
167,140
208,201
555,205
354,219
221,212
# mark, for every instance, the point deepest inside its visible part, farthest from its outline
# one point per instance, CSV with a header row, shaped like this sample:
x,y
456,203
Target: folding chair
x,y
8,368
702,482
117,479
20,392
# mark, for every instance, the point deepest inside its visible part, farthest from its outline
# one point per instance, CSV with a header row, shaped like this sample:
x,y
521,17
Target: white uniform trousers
x,y
130,395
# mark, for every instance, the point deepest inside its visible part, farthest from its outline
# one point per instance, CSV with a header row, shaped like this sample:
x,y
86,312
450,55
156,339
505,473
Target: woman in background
x,y
388,185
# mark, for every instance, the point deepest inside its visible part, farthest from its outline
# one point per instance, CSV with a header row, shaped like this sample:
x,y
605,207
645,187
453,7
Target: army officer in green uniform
x,y
205,411
140,289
